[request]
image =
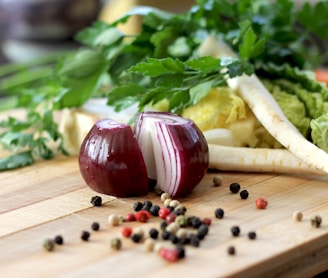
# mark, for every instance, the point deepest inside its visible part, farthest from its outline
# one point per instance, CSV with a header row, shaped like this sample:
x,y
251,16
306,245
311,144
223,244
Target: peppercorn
x,y
181,251
142,216
136,238
49,244
146,205
235,230
234,187
163,225
261,203
116,244
173,238
184,240
170,255
297,215
207,221
181,220
194,240
195,222
178,211
174,203
137,206
85,235
244,194
181,233
158,190
163,212
181,208
165,235
231,250
149,244
219,213
167,202
172,227
202,231
95,226
316,221
153,233
171,209
252,235
96,201
165,196
170,218
130,217
154,209
126,231
217,180
59,240
114,220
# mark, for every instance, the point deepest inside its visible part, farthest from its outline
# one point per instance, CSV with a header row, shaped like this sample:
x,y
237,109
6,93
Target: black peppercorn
x,y
163,225
244,194
235,230
181,251
137,206
194,240
252,235
202,231
165,235
154,210
85,235
173,238
95,226
195,222
170,208
219,213
96,201
59,240
231,250
136,237
153,233
234,187
146,205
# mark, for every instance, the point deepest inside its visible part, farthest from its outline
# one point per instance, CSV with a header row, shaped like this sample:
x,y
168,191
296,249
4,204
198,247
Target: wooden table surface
x,y
50,198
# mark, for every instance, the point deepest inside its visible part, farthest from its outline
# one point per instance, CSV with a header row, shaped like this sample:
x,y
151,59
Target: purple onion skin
x,y
111,161
189,146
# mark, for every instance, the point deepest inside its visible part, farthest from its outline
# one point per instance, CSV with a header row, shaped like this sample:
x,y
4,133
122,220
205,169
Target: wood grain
x,y
50,198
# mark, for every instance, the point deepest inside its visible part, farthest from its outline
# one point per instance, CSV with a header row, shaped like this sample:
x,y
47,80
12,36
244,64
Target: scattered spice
x,y
298,216
126,231
172,227
167,202
149,244
217,180
170,218
235,231
234,187
181,251
231,250
219,213
137,206
114,220
49,244
142,216
261,203
252,235
316,221
154,210
174,203
136,238
130,217
59,240
116,244
147,204
244,194
96,201
95,226
165,196
169,254
163,212
153,233
207,221
85,235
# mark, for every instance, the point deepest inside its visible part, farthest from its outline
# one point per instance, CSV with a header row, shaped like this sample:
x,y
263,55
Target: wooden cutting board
x,y
50,198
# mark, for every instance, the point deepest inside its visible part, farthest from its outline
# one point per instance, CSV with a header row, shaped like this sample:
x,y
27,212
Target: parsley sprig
x,y
159,62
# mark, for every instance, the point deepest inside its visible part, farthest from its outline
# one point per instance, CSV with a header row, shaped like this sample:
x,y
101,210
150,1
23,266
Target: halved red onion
x,y
111,161
174,149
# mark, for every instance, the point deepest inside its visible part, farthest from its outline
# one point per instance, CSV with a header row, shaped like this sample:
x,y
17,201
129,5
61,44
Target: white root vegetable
x,y
242,159
268,112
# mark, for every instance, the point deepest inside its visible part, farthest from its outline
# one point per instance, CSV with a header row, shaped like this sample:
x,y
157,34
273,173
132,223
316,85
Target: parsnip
x,y
242,159
268,112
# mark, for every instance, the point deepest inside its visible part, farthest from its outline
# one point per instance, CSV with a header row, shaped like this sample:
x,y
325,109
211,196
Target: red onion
x,y
174,149
165,147
111,161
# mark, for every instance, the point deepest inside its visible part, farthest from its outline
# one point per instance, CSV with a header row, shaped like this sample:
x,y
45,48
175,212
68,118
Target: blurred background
x,y
32,28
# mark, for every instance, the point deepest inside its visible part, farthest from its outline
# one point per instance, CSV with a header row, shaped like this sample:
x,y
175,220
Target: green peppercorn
x,y
96,201
49,244
316,221
116,244
181,220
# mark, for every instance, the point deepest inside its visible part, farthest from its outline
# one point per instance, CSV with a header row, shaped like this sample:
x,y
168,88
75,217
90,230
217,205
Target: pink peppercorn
x,y
142,216
171,255
170,218
163,212
261,203
207,221
126,231
130,217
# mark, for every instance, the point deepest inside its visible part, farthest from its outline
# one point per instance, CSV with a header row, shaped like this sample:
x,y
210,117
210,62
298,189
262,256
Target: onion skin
x,y
111,161
180,151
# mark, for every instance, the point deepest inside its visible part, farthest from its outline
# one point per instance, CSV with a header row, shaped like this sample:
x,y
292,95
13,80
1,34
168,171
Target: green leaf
x,y
204,64
16,160
156,67
199,91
